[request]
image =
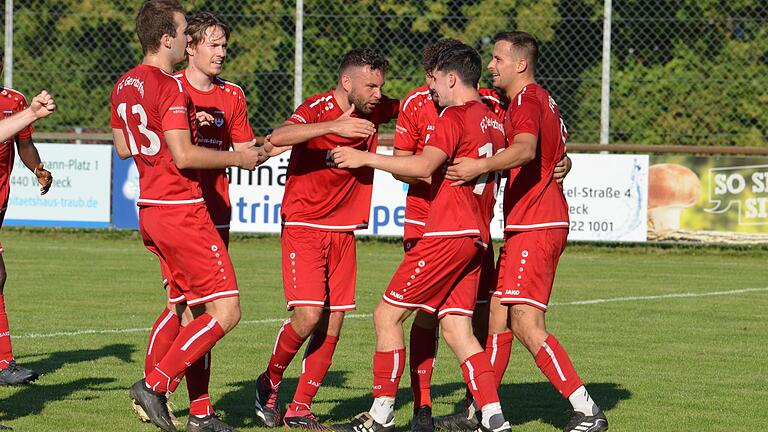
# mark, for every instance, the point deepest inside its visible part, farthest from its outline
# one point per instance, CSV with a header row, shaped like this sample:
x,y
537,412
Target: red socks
x,y
554,362
479,376
422,361
498,346
317,360
388,367
161,338
286,347
193,341
6,351
198,377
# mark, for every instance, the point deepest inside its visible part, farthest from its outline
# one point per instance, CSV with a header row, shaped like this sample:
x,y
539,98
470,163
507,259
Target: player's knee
x,y
305,319
385,316
3,277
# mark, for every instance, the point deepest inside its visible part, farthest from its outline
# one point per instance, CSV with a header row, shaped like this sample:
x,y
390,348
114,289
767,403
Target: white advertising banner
x,y
256,199
607,198
80,195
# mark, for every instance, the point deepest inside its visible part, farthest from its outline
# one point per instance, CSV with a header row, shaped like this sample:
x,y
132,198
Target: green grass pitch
x,y
667,339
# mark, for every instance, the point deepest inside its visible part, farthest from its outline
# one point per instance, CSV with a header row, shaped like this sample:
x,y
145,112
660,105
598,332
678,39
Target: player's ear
x,y
451,79
522,65
346,82
166,40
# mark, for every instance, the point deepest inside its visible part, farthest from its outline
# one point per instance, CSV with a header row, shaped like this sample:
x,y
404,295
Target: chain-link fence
x,y
682,72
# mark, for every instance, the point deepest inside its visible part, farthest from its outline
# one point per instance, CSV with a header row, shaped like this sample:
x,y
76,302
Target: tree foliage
x,y
683,72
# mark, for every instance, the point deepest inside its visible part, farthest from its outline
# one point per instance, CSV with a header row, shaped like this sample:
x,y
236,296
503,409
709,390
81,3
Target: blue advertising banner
x,y
125,192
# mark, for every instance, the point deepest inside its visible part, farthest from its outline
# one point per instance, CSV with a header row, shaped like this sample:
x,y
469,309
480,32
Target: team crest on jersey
x,y
218,119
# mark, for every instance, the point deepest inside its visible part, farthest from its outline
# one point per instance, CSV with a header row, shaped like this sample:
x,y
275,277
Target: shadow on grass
x,y
522,403
31,399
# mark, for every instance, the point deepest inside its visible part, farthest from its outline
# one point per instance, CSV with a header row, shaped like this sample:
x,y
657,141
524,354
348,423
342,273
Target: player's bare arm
x,y
419,166
121,146
42,106
290,133
562,168
31,159
189,156
409,180
518,154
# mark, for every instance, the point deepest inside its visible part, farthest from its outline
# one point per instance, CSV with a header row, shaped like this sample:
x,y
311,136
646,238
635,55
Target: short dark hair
x,y
521,41
200,22
154,20
364,57
430,52
461,59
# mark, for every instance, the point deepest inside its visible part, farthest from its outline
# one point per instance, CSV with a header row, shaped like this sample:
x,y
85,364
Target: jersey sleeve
x,y
27,131
524,116
174,105
114,119
407,131
307,112
447,133
241,126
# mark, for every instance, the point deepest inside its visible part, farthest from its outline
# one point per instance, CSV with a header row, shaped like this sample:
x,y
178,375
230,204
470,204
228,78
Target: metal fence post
x,y
8,56
298,69
605,90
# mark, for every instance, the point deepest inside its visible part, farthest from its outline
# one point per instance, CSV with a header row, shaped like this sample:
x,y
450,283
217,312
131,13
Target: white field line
x,y
358,316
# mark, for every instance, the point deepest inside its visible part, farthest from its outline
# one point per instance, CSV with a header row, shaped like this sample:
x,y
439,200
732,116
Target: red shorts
x,y
319,268
440,274
193,259
527,266
412,233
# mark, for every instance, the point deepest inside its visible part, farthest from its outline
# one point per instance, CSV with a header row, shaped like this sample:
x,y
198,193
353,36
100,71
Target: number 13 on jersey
x,y
151,144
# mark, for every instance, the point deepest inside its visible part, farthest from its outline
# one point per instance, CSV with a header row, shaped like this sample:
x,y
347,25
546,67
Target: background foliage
x,y
683,72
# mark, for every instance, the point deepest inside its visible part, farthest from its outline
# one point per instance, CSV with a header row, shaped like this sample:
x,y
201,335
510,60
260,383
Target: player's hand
x,y
274,151
203,118
42,105
348,157
44,177
250,157
563,168
463,170
352,127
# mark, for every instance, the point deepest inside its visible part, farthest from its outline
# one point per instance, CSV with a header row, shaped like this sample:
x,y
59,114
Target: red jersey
x,y
495,101
167,106
415,123
11,102
532,198
469,130
226,103
418,115
317,193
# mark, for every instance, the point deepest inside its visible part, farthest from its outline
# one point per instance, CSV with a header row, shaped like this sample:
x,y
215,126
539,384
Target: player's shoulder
x,y
318,99
229,88
415,99
12,94
532,93
454,113
492,95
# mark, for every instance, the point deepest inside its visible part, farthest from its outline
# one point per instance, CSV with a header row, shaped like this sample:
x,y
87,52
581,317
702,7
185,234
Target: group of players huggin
x,y
452,144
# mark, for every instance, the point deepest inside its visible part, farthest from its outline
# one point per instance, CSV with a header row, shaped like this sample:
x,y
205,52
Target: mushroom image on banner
x,y
671,188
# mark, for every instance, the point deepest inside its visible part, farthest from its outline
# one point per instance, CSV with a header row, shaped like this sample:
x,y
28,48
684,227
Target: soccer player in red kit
x,y
153,120
536,222
322,207
415,124
16,127
222,121
440,274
